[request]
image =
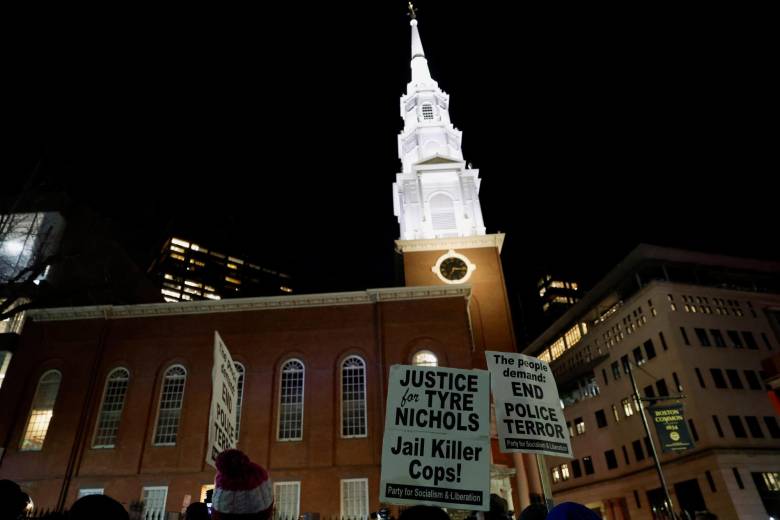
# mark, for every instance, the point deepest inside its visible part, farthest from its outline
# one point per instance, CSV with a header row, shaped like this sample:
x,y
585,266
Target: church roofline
x,y
369,296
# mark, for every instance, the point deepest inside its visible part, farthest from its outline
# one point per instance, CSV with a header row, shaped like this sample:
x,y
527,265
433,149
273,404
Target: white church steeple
x,y
436,194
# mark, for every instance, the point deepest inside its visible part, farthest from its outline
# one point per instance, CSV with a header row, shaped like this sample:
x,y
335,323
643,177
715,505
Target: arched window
x,y
171,398
239,395
442,213
41,411
111,409
425,358
353,397
291,401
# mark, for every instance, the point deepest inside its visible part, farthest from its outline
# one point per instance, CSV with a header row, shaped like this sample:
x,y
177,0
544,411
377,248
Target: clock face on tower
x,y
453,267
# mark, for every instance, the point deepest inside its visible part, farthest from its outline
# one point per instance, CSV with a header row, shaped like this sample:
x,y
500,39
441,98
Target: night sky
x,y
272,132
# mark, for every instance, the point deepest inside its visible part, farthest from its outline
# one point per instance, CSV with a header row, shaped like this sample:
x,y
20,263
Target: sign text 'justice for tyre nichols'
x,y
436,447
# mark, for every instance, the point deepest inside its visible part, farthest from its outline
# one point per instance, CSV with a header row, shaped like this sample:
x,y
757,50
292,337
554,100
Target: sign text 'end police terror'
x,y
448,398
522,417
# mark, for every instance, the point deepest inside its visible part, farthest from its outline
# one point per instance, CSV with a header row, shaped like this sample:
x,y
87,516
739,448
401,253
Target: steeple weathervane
x,y
412,11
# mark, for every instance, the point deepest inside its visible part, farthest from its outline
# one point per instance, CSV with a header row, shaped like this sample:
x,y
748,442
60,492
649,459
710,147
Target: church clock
x,y
453,267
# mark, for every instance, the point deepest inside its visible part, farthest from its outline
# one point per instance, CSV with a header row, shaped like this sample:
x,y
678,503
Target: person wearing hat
x,y
242,489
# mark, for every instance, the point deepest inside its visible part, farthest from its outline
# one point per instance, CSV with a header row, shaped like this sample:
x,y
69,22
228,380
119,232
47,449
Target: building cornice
x,y
444,244
302,301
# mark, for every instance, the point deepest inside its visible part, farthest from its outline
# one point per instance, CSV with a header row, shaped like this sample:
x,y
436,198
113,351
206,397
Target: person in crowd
x,y
424,513
13,501
97,507
571,511
499,508
705,515
534,512
197,511
242,489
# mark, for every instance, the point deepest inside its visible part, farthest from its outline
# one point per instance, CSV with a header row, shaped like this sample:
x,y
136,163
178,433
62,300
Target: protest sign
x,y
224,394
671,427
529,417
436,447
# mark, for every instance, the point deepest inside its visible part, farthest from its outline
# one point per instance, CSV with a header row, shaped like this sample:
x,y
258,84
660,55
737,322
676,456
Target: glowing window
x,y
177,249
556,474
180,242
233,280
291,401
41,411
111,410
565,472
285,289
154,499
353,397
232,266
5,360
171,398
192,284
176,256
772,481
354,498
287,500
425,358
239,396
212,296
628,410
236,260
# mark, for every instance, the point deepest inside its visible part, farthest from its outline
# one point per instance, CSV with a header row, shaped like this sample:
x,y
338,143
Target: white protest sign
x,y
224,394
436,447
529,417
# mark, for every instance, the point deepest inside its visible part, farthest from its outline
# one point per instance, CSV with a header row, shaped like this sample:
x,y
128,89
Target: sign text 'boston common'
x,y
436,446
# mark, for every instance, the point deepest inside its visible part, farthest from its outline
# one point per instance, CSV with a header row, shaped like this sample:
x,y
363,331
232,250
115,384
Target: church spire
x,y
420,73
436,193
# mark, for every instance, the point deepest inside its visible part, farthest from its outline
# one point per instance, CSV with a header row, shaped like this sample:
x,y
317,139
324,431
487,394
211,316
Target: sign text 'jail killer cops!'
x,y
436,447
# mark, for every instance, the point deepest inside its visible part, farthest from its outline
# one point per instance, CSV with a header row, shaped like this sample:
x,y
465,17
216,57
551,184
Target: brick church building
x,y
115,399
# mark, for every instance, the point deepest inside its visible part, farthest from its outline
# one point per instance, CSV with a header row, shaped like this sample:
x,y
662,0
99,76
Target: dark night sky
x,y
274,130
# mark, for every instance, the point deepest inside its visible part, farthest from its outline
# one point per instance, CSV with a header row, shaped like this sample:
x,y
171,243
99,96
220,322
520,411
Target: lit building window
x,y
560,299
354,498
556,474
197,262
574,286
211,296
287,500
196,247
353,397
171,398
285,289
628,410
204,492
177,249
425,358
176,256
772,481
168,276
579,425
557,348
172,294
41,411
236,260
232,266
180,242
565,472
542,291
192,284
291,401
154,499
545,356
573,335
557,285
239,396
111,409
5,360
233,280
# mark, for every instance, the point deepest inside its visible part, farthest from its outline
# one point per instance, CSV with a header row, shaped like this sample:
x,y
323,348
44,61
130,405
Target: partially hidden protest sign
x,y
529,417
224,393
671,427
436,447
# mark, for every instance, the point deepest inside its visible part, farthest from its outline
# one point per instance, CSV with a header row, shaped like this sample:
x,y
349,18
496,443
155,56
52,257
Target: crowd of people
x,y
243,491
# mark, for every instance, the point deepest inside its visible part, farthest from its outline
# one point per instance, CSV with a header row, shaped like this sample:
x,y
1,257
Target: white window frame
x,y
279,401
344,513
26,431
84,492
365,397
424,351
240,387
277,512
103,403
164,501
159,406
